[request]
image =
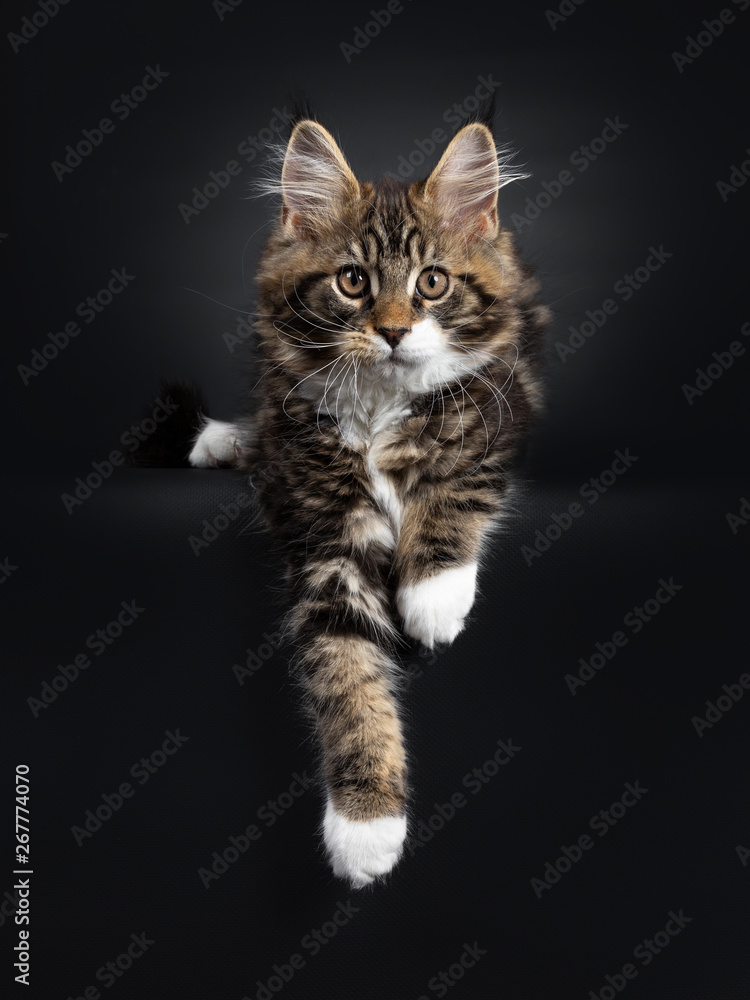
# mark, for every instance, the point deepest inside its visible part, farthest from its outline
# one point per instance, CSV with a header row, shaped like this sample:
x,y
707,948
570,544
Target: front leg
x,y
437,560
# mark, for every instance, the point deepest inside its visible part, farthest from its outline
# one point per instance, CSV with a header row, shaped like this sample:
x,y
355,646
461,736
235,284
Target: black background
x,y
655,185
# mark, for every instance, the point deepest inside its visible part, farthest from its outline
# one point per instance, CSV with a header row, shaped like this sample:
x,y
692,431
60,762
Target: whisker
x,y
299,315
324,394
461,425
298,384
307,343
311,311
225,305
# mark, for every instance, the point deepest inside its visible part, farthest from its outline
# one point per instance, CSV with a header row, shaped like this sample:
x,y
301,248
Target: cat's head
x,y
409,282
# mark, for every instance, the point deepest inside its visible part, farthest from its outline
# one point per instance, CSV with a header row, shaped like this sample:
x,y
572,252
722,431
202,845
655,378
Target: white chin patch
x,y
424,359
434,609
362,851
217,444
422,343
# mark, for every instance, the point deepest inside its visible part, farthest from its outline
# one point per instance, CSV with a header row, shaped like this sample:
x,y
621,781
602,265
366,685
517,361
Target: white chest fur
x,y
367,411
372,418
367,402
383,491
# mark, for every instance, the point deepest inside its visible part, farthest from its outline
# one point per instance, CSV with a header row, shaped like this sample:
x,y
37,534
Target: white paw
x,y
434,609
360,851
217,444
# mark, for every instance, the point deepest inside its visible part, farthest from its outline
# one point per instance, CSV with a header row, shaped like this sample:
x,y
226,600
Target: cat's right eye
x,y
353,282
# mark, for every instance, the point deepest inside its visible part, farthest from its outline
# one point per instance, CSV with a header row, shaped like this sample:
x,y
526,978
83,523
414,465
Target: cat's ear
x,y
464,185
316,180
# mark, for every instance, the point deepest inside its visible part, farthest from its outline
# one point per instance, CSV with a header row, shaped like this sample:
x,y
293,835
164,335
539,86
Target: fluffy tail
x,y
342,620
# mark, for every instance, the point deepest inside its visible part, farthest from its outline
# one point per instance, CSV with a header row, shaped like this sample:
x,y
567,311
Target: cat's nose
x,y
393,334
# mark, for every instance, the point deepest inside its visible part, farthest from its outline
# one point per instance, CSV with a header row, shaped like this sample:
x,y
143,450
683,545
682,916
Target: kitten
x,y
401,345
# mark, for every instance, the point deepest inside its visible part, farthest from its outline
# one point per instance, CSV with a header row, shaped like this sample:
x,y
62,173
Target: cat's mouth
x,y
394,358
399,358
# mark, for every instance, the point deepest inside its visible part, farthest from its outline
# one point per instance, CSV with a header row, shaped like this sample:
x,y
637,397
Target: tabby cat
x,y
400,348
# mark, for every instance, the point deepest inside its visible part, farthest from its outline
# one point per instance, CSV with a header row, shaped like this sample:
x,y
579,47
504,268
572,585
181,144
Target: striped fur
x,y
383,468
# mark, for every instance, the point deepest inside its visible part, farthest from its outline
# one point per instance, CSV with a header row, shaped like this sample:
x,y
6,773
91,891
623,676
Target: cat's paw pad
x,y
434,609
362,851
216,445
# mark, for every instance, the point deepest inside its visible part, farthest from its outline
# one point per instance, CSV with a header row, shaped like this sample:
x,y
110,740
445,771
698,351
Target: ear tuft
x,y
484,113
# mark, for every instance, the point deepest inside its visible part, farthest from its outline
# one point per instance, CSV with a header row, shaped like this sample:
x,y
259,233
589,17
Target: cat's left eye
x,y
353,282
431,284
